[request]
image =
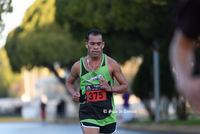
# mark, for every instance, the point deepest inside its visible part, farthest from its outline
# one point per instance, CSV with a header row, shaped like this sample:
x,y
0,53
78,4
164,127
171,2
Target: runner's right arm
x,y
71,79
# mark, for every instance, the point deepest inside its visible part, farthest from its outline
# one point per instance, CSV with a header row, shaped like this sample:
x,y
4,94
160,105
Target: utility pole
x,y
156,82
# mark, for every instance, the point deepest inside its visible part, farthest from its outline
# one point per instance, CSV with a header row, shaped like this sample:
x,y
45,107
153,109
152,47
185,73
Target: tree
x,y
7,77
132,23
39,41
5,6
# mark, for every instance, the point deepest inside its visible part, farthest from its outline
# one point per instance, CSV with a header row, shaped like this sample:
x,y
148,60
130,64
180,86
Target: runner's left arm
x,y
117,73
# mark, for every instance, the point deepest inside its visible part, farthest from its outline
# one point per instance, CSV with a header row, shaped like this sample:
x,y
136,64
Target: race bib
x,y
95,93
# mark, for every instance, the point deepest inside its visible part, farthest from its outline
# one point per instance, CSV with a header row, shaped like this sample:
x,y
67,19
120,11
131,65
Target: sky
x,y
14,19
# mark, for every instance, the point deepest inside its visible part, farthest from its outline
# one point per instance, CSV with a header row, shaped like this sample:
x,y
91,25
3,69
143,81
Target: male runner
x,y
96,72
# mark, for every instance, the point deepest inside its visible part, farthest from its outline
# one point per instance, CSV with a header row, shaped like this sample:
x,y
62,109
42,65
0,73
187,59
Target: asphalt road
x,y
53,128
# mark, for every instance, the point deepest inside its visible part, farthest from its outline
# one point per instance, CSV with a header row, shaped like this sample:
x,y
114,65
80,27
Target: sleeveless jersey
x,y
96,105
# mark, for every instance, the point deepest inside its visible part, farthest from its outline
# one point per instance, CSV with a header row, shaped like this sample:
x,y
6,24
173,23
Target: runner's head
x,y
94,43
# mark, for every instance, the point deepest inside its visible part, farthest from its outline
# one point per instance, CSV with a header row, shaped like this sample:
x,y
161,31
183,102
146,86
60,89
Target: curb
x,y
163,128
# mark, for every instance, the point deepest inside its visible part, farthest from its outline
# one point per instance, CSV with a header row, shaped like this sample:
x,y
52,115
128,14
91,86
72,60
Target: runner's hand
x,y
76,96
104,84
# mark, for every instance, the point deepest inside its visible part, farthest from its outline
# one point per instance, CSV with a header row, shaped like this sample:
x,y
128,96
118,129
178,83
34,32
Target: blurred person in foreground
x,y
187,22
96,72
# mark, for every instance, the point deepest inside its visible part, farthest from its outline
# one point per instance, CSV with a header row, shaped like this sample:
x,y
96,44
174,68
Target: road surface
x,y
53,128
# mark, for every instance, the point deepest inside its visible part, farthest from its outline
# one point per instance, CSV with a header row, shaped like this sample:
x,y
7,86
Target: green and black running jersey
x,y
96,105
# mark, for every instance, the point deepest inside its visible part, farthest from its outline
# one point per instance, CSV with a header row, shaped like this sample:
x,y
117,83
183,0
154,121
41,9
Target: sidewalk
x,y
162,128
189,129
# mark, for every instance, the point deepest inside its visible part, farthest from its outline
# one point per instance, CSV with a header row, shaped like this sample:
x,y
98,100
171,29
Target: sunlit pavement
x,y
52,128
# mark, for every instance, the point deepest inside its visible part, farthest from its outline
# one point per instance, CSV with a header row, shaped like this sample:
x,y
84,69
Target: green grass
x,y
169,122
185,122
11,118
142,122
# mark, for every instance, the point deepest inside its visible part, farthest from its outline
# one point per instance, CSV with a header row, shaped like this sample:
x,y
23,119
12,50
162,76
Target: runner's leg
x,y
90,130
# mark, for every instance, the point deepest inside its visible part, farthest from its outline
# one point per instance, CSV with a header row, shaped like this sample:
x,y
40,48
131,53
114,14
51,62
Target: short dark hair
x,y
94,32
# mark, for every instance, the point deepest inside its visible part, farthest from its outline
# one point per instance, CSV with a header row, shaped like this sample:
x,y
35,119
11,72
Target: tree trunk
x,y
164,105
181,110
147,105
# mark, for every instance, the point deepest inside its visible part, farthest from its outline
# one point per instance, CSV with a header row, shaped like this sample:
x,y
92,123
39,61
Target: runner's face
x,y
95,45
